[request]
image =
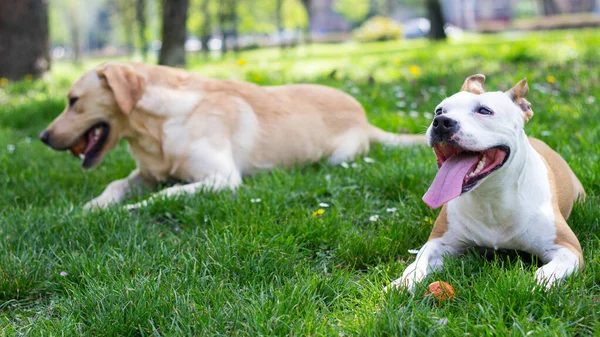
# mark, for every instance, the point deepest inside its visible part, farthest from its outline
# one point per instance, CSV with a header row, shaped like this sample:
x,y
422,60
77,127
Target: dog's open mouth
x,y
461,170
91,143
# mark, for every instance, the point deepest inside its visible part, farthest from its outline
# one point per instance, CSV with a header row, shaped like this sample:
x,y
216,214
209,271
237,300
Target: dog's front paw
x,y
548,276
556,271
401,284
411,276
95,205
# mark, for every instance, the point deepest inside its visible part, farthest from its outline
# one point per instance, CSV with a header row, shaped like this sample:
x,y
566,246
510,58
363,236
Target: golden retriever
x,y
205,132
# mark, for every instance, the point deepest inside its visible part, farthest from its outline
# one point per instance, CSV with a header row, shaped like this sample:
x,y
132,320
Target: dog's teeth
x,y
82,156
478,169
97,132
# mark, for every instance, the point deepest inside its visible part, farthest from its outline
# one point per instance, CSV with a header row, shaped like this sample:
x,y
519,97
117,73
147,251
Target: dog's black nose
x,y
444,126
45,136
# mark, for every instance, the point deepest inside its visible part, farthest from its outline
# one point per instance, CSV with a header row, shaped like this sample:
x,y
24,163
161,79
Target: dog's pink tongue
x,y
448,182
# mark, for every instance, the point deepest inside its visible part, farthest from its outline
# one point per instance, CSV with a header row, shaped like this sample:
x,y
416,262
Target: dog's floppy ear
x,y
517,94
474,84
126,84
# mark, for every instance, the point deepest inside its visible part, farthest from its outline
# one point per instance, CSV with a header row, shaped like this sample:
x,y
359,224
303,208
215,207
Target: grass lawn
x,y
220,264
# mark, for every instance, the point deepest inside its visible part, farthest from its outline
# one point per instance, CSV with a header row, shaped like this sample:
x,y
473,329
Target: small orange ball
x,y
78,148
441,290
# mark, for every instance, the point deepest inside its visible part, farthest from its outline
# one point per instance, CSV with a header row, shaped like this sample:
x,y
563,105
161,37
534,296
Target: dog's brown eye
x,y
484,111
73,100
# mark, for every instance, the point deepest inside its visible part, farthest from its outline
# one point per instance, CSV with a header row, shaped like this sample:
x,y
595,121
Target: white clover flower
x,y
590,100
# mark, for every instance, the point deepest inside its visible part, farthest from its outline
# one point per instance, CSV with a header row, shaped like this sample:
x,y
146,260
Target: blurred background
x,y
37,34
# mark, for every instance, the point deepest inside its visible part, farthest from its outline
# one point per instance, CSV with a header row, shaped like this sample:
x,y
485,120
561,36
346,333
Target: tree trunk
x,y
140,14
279,22
223,26
24,38
129,44
309,16
549,7
233,15
436,17
206,29
75,32
175,13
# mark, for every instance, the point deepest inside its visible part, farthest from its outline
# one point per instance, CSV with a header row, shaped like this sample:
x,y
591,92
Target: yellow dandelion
x,y
318,212
28,77
3,82
414,70
551,79
242,62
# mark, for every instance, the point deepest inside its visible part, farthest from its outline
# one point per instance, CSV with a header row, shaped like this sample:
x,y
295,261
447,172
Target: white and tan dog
x,y
499,189
207,133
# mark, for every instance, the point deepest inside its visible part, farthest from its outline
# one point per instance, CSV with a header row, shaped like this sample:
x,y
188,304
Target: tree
x,y
294,18
228,23
24,38
74,22
125,11
309,16
234,25
355,11
436,18
174,31
549,7
82,24
279,21
256,16
206,30
140,14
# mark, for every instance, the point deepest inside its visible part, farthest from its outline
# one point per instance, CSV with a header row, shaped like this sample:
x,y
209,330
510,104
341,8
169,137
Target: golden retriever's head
x,y
95,117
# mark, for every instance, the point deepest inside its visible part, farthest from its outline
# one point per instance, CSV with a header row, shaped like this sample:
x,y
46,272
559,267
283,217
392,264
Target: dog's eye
x,y
484,111
438,111
73,100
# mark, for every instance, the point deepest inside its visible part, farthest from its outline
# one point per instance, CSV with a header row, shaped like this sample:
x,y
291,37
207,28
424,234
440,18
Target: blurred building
x,y
325,19
468,13
472,14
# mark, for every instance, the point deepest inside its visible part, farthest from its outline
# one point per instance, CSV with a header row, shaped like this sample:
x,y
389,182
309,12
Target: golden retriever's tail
x,y
376,135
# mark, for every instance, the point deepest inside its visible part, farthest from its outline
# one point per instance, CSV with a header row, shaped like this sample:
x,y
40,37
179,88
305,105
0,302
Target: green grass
x,y
218,264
